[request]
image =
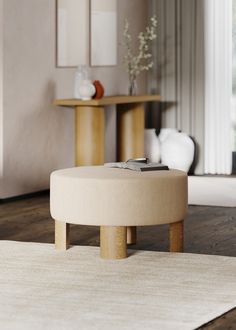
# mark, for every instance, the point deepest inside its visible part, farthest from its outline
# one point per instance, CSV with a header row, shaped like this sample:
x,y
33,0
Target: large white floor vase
x,y
165,132
177,151
152,145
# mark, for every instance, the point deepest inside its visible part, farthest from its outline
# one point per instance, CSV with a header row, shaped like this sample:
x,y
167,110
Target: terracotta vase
x,y
99,90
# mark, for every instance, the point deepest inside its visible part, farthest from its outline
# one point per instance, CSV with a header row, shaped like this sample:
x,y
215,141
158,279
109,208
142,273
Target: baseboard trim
x,y
25,196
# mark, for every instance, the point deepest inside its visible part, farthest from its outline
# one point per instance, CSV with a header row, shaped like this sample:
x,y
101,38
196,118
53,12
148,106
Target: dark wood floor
x,y
208,230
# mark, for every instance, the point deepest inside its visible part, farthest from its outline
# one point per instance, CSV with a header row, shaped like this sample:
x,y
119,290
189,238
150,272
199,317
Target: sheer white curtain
x,y
218,86
1,90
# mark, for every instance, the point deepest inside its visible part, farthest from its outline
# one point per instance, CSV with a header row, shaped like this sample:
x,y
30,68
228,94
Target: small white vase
x,y
177,151
80,75
152,145
86,90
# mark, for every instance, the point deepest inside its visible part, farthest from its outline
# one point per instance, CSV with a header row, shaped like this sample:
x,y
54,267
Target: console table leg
x,y
89,135
113,242
130,141
130,131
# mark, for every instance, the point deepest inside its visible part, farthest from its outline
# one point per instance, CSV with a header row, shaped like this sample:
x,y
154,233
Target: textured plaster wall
x,y
38,137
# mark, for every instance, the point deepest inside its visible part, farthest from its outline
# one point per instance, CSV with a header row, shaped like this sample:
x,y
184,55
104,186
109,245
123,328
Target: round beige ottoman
x,y
117,199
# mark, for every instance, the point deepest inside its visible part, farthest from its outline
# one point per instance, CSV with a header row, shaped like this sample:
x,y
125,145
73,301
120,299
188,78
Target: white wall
x,y
38,137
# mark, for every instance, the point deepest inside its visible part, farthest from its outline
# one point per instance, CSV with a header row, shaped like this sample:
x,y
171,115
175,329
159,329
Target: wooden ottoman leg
x,y
130,140
177,236
62,240
131,235
113,242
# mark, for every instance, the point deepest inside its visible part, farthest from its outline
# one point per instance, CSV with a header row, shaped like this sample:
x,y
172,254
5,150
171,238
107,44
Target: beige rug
x,y
44,289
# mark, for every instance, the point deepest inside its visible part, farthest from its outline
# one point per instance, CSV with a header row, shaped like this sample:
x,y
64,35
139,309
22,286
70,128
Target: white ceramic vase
x,y
152,145
80,75
86,90
165,132
177,151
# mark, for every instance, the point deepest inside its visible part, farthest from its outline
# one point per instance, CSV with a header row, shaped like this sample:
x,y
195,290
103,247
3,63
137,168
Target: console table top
x,y
108,100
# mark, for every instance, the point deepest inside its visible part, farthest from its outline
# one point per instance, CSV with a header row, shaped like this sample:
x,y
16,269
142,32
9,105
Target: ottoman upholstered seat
x,y
115,199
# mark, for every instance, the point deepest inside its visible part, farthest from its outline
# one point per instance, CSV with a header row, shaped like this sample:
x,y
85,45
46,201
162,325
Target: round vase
x,y
165,132
152,145
99,89
177,151
86,90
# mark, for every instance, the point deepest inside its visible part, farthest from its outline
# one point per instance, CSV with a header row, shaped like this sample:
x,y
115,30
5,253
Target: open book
x,y
138,164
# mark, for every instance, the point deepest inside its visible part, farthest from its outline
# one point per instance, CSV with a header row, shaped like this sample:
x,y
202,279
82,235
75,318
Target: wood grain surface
x,y
113,243
89,136
108,100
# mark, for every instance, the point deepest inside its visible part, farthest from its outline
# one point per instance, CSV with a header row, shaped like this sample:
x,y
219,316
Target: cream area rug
x,y
44,289
212,191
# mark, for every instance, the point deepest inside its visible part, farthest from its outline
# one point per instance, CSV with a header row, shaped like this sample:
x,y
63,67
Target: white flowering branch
x,y
142,61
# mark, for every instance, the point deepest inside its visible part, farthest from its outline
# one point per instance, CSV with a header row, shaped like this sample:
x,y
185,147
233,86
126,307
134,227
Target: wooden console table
x,y
90,126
